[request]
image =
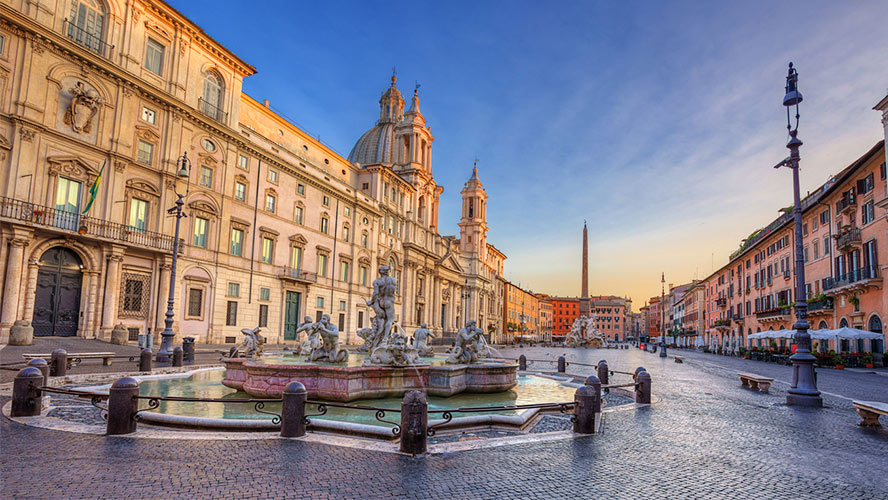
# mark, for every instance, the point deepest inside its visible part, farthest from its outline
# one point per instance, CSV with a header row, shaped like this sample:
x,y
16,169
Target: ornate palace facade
x,y
279,226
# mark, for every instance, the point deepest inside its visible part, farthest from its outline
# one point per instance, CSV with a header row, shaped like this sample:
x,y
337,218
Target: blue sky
x,y
657,122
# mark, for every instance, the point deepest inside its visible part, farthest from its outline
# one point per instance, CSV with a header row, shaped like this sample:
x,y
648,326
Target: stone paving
x,y
706,437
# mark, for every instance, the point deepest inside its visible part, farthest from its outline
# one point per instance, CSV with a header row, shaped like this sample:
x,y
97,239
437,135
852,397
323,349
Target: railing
x,y
736,316
721,302
773,313
87,39
846,202
298,274
864,273
447,415
258,404
722,323
211,110
73,222
848,238
820,305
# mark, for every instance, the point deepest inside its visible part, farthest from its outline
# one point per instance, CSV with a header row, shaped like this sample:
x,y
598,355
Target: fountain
x,y
584,334
390,367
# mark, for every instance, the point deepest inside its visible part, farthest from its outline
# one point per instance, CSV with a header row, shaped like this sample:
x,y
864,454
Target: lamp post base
x,y
804,381
804,400
663,350
165,353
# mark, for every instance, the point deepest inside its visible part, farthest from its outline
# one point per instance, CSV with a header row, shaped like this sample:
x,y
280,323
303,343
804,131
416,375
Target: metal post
x,y
414,423
663,314
59,363
41,365
803,391
637,371
145,360
588,399
188,348
562,364
123,406
643,388
293,410
167,335
522,362
177,356
27,401
602,373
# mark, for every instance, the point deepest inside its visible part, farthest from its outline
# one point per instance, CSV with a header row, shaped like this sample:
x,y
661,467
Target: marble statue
x,y
251,345
313,336
395,352
370,336
583,333
421,340
383,304
329,349
469,347
84,105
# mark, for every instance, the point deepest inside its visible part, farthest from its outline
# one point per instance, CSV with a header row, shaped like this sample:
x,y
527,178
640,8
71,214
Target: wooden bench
x,y
757,382
75,358
870,411
679,359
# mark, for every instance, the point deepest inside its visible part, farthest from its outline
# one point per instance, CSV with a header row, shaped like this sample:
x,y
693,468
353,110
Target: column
x,y
112,289
92,303
11,284
30,291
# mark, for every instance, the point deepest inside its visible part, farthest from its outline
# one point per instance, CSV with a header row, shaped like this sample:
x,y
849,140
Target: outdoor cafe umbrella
x,y
845,333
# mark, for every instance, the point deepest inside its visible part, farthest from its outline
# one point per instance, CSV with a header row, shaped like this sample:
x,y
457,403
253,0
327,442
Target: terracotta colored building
x,y
521,313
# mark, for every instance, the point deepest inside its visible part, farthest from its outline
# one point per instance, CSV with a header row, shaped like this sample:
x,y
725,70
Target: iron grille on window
x,y
133,334
263,315
195,302
231,314
134,295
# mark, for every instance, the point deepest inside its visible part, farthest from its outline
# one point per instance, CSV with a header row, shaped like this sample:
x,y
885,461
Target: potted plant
x,y
867,360
855,301
838,362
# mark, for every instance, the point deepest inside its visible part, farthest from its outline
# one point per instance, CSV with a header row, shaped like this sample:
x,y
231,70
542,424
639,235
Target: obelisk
x,y
585,305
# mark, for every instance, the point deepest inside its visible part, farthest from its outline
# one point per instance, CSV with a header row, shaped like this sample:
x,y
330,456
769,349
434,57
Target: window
x,y
263,315
341,322
342,305
233,289
364,238
149,115
200,232
824,217
206,176
265,294
868,212
326,201
240,191
243,162
145,152
322,265
324,223
343,271
195,302
237,242
267,250
363,275
85,23
231,314
211,101
296,258
345,231
826,247
132,295
299,215
270,201
154,56
347,211
300,189
138,216
865,185
360,319
319,302
816,249
272,175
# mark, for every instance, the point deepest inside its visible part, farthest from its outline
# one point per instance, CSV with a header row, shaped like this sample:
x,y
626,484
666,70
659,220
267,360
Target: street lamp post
x,y
803,391
663,315
167,335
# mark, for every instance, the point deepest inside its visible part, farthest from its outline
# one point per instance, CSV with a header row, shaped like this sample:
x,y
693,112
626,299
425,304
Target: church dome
x,y
375,146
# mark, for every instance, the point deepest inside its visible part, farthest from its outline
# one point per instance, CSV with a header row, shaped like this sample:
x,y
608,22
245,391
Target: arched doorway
x,y
57,300
875,325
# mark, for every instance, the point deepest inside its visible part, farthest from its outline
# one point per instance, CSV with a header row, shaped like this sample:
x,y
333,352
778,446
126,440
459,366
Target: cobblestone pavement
x,y
706,437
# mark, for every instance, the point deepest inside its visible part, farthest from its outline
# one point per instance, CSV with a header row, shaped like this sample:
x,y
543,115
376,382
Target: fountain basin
x,y
263,379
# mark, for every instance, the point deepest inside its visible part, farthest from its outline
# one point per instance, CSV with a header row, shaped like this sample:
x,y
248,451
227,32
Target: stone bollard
x,y
123,406
414,423
643,388
178,356
188,349
603,374
588,399
293,410
562,364
145,360
21,333
522,362
43,366
58,365
637,371
27,400
120,335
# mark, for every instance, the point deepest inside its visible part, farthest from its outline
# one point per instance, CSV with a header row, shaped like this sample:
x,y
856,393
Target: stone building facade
x,y
279,226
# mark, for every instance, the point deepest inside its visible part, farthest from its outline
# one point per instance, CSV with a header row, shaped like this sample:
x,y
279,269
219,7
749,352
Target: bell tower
x,y
473,224
391,104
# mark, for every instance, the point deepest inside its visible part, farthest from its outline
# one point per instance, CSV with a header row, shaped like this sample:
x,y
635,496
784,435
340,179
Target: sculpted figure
x,y
84,106
251,345
395,352
467,348
383,304
421,340
370,336
329,350
313,338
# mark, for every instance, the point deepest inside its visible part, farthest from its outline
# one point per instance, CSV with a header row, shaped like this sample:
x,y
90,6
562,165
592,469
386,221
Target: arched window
x,y
843,323
211,101
875,324
86,21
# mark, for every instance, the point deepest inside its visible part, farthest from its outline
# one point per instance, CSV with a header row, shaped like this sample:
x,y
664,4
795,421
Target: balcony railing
x,y
88,40
298,275
849,238
862,274
721,302
736,317
722,323
72,222
211,110
849,201
822,305
773,313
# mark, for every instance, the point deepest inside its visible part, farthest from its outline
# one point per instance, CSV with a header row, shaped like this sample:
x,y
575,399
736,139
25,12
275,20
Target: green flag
x,y
94,190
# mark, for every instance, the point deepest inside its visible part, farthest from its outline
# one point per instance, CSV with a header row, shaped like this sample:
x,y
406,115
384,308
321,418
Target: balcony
x,y
776,314
212,110
849,239
737,317
88,40
847,203
853,282
73,223
297,275
820,307
722,324
721,302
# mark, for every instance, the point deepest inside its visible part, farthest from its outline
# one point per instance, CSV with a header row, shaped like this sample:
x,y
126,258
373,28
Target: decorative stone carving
x,y
383,304
329,350
251,345
421,339
395,352
313,340
469,347
27,134
83,108
583,333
